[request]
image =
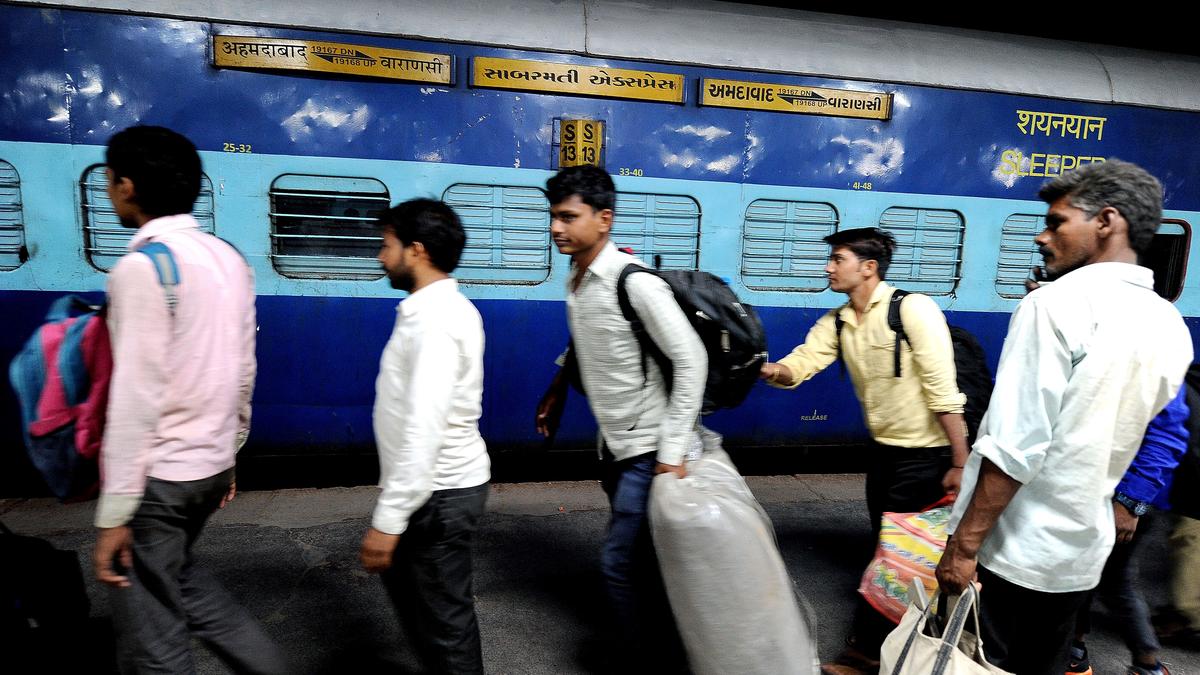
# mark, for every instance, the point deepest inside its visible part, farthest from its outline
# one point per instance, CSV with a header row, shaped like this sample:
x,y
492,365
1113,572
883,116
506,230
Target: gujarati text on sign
x,y
566,78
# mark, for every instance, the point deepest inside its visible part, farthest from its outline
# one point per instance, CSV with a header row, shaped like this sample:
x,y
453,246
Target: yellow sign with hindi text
x,y
795,99
566,78
259,53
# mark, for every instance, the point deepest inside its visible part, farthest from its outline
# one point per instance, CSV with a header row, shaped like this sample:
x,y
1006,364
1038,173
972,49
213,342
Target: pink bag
x,y
910,546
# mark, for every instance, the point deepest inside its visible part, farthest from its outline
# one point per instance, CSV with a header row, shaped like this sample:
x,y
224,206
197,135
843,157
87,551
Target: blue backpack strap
x,y
168,272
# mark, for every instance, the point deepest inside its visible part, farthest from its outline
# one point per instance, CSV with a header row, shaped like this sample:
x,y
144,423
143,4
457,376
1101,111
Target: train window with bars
x,y
928,255
323,227
1168,257
783,244
105,238
1018,253
508,233
659,225
12,220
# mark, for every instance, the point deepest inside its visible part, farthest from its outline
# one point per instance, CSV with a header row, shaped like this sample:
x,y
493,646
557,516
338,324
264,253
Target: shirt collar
x,y
608,263
160,226
881,291
429,296
877,295
1127,272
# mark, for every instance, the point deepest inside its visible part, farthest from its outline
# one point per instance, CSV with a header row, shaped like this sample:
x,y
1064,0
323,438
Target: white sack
x,y
731,595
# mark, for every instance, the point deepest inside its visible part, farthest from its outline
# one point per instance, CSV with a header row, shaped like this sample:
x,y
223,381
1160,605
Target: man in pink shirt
x,y
179,408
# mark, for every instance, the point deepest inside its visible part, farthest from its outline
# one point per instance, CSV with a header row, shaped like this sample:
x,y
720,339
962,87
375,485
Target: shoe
x,y
1079,664
851,662
1135,669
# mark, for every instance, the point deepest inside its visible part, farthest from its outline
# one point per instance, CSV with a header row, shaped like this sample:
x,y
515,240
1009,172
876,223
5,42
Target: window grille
x,y
928,254
508,233
105,238
1018,253
324,227
783,245
663,225
12,220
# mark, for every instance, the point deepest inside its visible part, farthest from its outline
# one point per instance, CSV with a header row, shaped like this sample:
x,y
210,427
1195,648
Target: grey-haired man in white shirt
x,y
433,464
1088,361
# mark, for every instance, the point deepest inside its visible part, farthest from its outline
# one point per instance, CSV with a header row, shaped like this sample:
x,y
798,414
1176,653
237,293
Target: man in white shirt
x,y
1089,360
433,464
646,426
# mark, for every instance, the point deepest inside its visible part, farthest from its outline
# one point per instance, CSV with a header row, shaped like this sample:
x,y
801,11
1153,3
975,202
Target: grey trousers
x,y
170,598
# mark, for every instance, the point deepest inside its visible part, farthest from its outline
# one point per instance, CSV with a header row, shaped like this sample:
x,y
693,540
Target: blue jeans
x,y
634,583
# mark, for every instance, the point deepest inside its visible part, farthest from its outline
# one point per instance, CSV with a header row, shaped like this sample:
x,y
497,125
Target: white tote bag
x,y
918,647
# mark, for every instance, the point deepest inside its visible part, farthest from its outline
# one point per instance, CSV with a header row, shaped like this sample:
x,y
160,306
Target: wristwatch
x,y
1135,507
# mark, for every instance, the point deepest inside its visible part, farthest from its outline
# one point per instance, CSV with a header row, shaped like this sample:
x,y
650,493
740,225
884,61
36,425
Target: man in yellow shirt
x,y
915,418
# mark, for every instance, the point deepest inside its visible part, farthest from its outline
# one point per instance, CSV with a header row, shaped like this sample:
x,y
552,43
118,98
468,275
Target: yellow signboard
x,y
580,142
235,51
795,99
566,78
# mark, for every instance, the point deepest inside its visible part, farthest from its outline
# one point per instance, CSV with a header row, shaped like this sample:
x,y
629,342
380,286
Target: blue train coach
x,y
738,137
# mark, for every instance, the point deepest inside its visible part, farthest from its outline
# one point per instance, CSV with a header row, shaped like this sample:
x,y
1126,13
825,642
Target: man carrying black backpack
x,y
908,390
647,427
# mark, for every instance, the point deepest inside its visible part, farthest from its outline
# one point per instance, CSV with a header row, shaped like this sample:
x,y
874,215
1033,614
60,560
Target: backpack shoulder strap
x,y
897,325
635,323
168,272
627,310
838,324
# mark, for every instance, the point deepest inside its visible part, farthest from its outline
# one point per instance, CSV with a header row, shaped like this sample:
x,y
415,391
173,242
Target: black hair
x,y
868,243
163,166
431,222
1127,187
593,185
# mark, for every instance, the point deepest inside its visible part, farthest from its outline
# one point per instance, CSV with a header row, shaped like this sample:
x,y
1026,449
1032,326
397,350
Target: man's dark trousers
x,y
1026,632
431,577
170,596
899,480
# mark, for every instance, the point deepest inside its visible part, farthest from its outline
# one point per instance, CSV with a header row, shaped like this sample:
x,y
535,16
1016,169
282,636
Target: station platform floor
x,y
291,557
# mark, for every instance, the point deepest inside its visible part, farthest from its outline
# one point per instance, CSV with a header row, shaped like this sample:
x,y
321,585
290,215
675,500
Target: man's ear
x,y
871,266
124,187
606,220
1110,222
419,250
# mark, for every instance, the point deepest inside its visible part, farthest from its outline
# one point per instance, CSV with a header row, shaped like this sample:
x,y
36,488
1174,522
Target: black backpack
x,y
730,330
970,364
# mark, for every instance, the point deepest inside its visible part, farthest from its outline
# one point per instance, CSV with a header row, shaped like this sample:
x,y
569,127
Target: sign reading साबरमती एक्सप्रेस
x,y
568,78
795,99
236,51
